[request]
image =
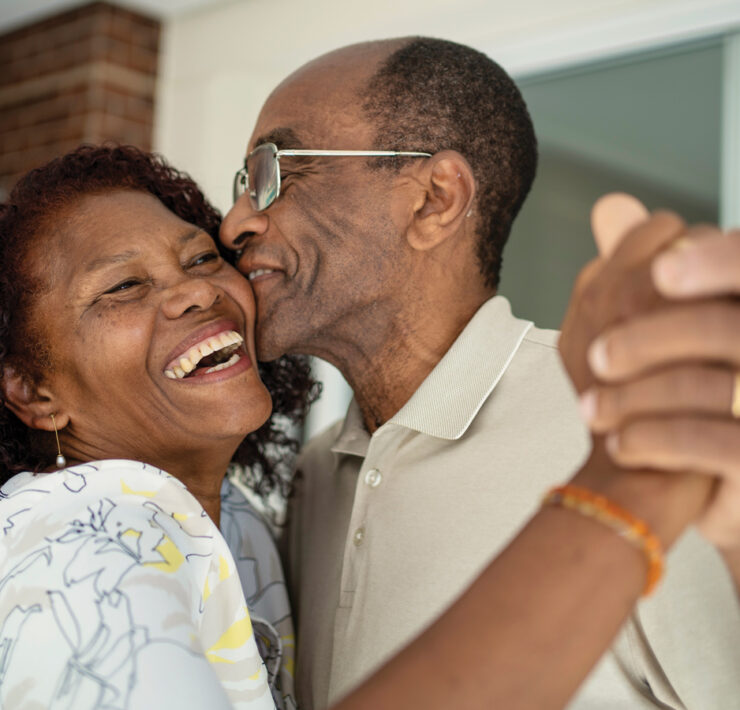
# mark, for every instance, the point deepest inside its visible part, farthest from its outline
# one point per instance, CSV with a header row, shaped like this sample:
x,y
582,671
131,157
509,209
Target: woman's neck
x,y
202,472
203,476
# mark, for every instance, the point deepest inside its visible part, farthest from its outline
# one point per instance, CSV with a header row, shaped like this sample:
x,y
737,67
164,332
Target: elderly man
x,y
383,181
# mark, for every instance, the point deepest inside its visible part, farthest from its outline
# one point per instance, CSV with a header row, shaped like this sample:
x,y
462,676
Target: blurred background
x,y
635,95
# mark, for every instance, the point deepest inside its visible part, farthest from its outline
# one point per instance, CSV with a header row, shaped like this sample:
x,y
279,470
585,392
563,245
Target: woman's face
x,y
136,298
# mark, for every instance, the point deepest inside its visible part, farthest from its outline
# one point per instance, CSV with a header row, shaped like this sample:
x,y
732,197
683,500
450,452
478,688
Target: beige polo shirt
x,y
389,529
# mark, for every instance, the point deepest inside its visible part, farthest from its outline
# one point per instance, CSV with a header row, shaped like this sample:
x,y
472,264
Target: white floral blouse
x,y
117,591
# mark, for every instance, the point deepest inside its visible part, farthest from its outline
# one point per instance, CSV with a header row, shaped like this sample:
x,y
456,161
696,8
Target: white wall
x,y
220,63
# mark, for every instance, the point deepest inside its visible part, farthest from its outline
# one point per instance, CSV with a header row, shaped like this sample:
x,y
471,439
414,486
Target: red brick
x,y
42,117
52,106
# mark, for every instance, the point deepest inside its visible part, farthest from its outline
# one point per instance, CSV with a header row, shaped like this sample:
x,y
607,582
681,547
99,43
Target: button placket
x,y
373,477
359,536
356,544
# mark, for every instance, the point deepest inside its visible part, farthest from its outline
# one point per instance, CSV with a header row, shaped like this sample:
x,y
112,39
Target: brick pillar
x,y
86,75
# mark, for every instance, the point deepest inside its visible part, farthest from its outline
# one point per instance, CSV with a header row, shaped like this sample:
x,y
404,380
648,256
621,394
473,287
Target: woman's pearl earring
x,y
61,461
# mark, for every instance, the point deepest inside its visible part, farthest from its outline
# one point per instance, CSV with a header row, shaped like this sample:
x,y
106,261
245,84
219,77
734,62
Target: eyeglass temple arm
x,y
348,153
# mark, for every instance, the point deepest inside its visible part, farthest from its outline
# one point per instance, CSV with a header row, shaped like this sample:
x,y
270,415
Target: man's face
x,y
322,257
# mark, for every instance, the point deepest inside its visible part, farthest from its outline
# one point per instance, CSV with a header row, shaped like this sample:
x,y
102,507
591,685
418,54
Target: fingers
x,y
613,216
647,239
709,445
704,330
661,363
706,263
695,389
610,290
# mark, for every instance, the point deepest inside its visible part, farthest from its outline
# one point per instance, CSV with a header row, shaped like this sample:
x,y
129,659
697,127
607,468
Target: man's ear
x,y
32,404
445,200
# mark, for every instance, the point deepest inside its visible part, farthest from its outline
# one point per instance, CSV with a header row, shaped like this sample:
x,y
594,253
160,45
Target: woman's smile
x,y
215,350
141,308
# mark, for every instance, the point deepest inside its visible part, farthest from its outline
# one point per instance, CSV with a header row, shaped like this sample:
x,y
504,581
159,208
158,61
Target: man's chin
x,y
269,348
276,337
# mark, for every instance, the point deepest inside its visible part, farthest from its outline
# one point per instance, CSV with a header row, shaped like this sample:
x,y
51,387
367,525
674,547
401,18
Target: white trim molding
x,y
612,33
729,204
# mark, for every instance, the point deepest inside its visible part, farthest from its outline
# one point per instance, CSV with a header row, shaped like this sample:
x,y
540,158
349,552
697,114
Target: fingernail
x,y
587,403
612,445
681,244
598,358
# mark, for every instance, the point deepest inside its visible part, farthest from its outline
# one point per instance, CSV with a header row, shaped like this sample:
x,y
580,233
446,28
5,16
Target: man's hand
x,y
652,341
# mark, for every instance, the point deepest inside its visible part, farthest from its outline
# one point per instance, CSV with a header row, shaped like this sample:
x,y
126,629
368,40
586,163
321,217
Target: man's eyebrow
x,y
282,137
125,256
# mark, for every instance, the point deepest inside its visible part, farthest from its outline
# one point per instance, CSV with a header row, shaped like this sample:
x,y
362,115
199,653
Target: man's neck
x,y
385,372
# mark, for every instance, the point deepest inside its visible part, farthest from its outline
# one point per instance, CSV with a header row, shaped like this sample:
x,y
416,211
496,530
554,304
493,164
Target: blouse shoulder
x,y
112,562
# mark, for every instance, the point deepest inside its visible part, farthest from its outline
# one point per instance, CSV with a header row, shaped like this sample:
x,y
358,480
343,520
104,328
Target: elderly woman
x,y
128,351
134,574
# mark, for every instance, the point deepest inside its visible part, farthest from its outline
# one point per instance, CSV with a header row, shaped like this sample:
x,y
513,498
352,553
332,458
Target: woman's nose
x,y
241,223
190,295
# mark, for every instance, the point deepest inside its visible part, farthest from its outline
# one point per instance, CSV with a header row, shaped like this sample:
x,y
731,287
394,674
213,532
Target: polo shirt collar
x,y
447,401
353,437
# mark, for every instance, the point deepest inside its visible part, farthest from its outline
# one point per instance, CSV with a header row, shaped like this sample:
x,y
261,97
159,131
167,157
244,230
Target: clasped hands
x,y
651,341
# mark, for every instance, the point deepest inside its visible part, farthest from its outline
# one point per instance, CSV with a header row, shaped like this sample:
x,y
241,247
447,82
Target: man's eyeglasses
x,y
260,176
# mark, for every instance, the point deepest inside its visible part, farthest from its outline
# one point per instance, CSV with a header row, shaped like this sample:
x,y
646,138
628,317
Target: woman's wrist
x,y
667,502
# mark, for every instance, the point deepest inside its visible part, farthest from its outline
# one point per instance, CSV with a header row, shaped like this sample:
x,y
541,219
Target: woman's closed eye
x,y
208,257
125,285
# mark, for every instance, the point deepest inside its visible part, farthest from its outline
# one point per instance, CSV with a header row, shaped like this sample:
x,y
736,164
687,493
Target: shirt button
x,y
359,537
373,478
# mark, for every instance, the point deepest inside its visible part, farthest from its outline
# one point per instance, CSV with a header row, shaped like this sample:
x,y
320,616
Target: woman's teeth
x,y
223,345
223,365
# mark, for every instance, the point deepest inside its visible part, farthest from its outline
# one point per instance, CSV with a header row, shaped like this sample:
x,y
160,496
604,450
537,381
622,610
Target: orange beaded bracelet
x,y
632,529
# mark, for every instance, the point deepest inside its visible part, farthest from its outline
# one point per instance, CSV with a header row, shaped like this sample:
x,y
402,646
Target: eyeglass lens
x,y
263,175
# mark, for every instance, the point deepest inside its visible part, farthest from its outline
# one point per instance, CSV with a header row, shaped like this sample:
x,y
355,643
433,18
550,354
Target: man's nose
x,y
241,223
189,295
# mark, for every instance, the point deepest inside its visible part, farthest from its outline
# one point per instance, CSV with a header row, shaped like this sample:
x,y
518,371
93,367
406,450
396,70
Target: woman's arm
x,y
535,622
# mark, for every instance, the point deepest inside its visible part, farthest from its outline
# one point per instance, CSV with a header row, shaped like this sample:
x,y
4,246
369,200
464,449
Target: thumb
x,y
612,217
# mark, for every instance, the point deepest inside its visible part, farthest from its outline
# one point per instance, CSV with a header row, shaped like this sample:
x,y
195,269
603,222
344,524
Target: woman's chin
x,y
248,414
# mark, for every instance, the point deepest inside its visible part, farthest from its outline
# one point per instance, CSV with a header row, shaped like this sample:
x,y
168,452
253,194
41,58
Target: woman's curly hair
x,y
43,195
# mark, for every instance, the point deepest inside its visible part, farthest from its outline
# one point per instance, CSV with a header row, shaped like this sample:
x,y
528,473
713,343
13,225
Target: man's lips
x,y
258,267
262,274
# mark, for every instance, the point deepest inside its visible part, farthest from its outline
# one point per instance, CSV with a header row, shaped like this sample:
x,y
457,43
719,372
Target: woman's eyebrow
x,y
124,256
192,234
102,261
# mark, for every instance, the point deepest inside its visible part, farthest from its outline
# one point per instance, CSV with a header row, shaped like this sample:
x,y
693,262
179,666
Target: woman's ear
x,y
446,200
33,405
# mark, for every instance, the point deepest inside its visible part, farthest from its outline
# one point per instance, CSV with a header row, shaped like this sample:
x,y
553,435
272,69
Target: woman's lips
x,y
214,352
215,327
238,362
220,346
